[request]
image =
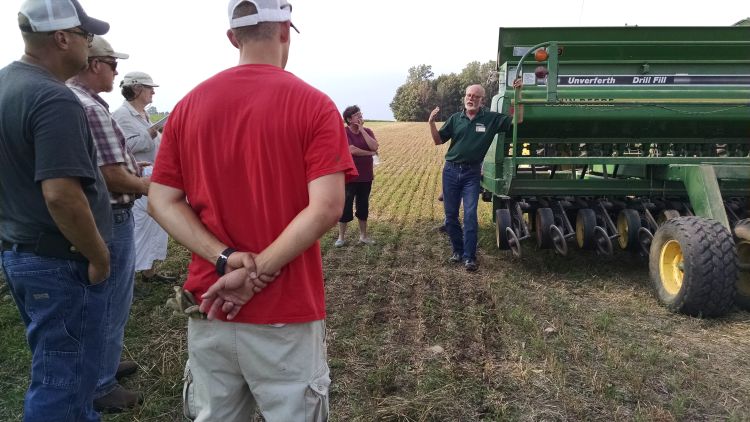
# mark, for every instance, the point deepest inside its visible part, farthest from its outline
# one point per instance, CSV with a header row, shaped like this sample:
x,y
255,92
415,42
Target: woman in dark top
x,y
363,146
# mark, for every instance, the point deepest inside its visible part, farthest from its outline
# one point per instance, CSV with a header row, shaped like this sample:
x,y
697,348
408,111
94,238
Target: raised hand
x,y
433,114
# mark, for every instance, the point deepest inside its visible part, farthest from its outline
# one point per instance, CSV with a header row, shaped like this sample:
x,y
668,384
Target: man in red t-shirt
x,y
218,189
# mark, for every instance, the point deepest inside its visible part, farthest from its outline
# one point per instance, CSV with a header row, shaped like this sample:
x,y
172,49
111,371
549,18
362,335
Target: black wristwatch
x,y
221,262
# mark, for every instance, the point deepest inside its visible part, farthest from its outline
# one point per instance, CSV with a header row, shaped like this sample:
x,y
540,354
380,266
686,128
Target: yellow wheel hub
x,y
671,267
579,231
622,228
743,255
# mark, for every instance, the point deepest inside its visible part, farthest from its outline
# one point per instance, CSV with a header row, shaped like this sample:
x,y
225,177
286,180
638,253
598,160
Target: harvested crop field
x,y
413,338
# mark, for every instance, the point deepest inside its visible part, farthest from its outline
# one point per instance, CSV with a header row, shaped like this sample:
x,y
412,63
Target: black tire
x,y
585,224
543,220
502,221
628,224
693,266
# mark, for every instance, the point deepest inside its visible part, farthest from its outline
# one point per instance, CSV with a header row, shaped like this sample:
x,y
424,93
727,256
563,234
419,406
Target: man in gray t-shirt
x,y
55,217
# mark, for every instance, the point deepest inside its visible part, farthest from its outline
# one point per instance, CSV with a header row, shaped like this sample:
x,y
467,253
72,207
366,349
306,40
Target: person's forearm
x,y
178,219
120,181
435,134
70,210
306,228
360,152
322,213
372,143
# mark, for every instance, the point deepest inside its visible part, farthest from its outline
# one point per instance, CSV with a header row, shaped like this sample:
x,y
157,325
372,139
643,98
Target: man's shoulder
x,y
120,112
491,114
21,79
83,95
124,112
455,116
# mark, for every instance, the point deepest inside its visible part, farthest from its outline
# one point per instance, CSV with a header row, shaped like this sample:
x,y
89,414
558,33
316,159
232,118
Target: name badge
x,y
480,128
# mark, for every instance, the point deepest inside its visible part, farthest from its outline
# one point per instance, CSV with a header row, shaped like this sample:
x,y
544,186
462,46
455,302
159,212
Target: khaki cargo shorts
x,y
236,368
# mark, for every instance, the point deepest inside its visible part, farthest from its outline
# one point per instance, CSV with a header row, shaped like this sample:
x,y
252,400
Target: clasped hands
x,y
241,281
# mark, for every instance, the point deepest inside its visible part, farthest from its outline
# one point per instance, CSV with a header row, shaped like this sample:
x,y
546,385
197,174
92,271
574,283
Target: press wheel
x,y
628,225
585,225
502,222
543,220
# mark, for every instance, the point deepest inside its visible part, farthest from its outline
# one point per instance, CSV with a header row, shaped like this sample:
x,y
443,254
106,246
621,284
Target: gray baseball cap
x,y
137,78
101,48
54,15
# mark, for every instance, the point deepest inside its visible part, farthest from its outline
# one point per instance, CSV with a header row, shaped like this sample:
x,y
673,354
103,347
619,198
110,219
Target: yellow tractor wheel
x,y
693,266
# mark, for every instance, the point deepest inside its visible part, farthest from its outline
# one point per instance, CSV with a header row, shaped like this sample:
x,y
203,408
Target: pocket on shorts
x,y
189,409
316,396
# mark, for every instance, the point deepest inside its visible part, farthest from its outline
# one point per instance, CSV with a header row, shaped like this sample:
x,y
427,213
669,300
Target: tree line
x,y
422,91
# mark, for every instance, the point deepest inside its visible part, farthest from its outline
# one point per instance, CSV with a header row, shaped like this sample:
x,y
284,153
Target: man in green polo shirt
x,y
471,133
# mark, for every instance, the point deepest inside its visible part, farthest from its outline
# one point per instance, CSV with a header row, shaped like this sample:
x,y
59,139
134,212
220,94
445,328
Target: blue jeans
x,y
119,300
64,328
461,183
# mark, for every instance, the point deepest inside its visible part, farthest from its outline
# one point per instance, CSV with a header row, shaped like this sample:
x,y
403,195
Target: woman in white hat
x,y
142,140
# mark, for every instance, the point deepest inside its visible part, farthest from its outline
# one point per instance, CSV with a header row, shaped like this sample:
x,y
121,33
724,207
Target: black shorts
x,y
359,193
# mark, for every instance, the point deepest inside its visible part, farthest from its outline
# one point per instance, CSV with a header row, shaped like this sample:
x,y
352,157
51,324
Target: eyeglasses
x,y
112,64
87,35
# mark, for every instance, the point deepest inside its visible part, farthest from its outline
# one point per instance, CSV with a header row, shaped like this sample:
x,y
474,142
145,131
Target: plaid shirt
x,y
110,141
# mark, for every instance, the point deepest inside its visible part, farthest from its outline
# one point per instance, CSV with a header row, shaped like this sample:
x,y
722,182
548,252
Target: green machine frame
x,y
654,121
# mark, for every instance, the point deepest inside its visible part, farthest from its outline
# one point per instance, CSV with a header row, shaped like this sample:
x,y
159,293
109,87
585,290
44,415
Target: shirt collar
x,y
480,113
75,84
129,107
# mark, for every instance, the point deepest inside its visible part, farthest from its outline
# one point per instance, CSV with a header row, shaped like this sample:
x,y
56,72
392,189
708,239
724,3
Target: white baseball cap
x,y
54,15
101,48
137,78
268,11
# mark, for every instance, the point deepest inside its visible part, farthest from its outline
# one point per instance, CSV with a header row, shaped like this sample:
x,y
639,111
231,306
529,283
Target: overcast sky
x,y
358,52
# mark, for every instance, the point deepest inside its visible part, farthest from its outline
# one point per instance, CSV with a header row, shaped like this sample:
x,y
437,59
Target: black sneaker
x,y
471,265
455,258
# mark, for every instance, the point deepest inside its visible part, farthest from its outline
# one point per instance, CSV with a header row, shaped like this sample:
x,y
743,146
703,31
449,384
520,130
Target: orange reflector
x,y
541,55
